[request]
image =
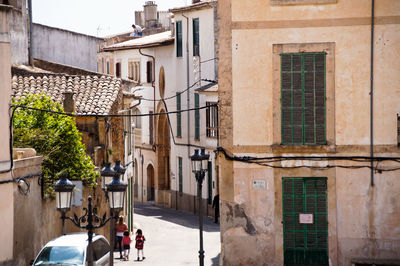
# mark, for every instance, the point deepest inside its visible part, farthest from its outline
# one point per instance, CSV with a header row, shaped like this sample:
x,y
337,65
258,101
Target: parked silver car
x,y
71,249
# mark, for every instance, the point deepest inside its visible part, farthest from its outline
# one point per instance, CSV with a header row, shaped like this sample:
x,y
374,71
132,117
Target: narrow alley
x,y
172,238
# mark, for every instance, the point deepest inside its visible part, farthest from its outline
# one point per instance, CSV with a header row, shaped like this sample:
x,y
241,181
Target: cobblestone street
x,y
172,238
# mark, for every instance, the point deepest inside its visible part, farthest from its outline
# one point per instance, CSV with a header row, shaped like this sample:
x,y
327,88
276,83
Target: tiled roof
x,y
93,94
163,38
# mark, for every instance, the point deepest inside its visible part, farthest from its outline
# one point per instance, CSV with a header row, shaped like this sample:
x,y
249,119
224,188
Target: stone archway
x,y
150,183
163,155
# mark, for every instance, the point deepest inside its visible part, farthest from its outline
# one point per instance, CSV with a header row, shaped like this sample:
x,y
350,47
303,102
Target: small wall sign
x,y
259,184
306,218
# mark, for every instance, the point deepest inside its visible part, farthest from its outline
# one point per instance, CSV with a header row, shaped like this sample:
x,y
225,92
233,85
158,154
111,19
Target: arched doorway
x,y
150,182
163,151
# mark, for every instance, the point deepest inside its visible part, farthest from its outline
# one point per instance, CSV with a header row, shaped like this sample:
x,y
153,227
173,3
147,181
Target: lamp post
x,y
89,221
199,168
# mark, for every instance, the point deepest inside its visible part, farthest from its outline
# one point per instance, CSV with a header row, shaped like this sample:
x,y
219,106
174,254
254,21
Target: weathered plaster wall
x,y
19,33
65,47
44,219
363,220
6,190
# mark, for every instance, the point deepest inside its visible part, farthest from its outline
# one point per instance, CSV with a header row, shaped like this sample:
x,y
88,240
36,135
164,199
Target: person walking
x,y
215,205
121,228
126,242
140,243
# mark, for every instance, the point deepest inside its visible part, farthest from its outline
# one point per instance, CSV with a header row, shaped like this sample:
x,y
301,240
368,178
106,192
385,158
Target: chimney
x,y
150,14
69,102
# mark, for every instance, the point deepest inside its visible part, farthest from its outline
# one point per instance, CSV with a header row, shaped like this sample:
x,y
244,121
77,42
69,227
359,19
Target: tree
x,y
55,137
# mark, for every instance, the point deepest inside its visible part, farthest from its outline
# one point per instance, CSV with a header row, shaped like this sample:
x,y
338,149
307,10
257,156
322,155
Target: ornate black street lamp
x,y
199,168
89,220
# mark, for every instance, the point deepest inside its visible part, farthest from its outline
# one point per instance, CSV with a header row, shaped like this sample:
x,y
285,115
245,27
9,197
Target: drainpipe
x,y
30,33
372,92
187,80
141,162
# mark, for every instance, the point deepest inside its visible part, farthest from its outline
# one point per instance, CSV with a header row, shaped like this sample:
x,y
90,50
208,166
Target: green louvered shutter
x,y
305,244
178,115
303,99
180,174
196,37
179,39
196,117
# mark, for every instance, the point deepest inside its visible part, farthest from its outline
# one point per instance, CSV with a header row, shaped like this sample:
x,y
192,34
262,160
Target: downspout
x,y
372,92
187,80
30,50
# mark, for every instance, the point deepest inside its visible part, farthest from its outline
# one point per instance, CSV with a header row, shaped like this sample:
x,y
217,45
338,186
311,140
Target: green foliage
x,y
54,136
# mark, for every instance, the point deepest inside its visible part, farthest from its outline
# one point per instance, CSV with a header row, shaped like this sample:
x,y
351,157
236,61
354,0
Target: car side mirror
x,y
31,262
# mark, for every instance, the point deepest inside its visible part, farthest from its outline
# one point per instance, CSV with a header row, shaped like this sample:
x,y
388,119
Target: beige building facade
x,y
295,131
6,189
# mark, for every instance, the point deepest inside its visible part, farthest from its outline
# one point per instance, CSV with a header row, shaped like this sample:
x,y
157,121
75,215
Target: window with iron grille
x,y
211,120
178,115
196,37
180,175
196,117
303,99
179,39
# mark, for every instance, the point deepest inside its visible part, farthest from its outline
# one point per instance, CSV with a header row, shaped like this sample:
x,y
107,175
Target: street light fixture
x,y
199,168
63,189
90,221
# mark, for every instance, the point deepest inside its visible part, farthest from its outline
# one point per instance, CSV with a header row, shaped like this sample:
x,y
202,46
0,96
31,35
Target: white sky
x,y
93,17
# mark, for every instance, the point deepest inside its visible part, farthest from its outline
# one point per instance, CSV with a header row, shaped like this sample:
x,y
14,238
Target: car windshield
x,y
60,255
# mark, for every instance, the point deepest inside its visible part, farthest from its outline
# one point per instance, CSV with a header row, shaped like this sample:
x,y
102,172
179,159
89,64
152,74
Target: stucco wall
x,y
36,220
65,47
363,219
6,189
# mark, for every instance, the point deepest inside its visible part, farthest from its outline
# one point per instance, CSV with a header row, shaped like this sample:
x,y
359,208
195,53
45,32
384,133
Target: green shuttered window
x,y
196,37
178,115
196,117
179,39
180,174
305,243
303,99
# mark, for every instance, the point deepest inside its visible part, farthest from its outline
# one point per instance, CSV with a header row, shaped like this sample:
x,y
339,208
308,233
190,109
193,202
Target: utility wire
x,y
268,161
118,115
178,93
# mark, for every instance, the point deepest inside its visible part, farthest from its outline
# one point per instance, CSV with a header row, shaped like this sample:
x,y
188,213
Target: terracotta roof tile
x,y
92,94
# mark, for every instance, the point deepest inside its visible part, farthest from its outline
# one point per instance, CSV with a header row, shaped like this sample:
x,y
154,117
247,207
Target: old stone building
x,y
309,93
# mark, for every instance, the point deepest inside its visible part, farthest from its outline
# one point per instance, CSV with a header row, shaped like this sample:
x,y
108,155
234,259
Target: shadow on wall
x,y
184,219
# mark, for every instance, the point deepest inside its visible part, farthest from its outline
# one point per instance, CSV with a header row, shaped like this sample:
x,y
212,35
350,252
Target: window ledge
x,y
303,148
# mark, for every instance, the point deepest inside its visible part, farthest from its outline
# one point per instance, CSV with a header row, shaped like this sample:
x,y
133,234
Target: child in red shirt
x,y
140,243
126,242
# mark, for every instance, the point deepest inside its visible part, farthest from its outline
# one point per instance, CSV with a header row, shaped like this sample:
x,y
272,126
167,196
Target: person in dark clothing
x,y
215,205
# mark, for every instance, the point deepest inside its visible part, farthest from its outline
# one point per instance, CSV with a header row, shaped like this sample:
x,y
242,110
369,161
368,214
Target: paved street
x,y
172,238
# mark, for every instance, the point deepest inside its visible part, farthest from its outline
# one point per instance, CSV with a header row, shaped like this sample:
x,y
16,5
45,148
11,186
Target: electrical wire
x,y
268,161
117,115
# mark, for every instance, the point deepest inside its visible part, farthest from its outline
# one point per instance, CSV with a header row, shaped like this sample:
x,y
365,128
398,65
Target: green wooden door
x,y
305,221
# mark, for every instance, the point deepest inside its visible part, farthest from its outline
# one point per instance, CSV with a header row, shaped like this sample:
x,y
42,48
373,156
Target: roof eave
x,y
149,45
